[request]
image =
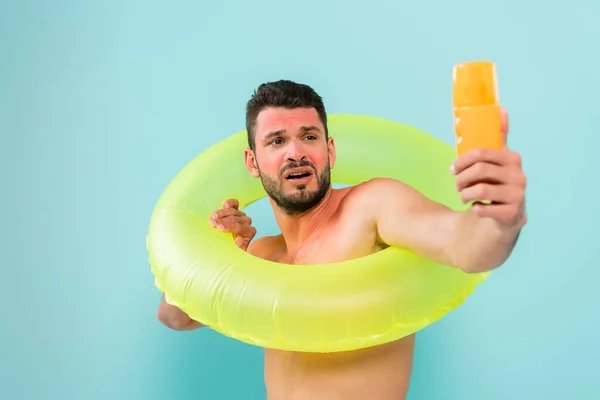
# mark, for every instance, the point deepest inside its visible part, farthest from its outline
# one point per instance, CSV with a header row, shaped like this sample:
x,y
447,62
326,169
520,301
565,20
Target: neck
x,y
296,229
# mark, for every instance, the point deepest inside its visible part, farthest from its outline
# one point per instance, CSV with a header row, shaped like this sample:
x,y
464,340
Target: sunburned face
x,y
293,158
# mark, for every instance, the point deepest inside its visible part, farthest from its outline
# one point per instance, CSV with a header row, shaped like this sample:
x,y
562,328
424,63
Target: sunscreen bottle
x,y
477,122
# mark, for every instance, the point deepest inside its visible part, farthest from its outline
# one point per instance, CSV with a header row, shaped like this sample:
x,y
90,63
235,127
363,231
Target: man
x,y
291,152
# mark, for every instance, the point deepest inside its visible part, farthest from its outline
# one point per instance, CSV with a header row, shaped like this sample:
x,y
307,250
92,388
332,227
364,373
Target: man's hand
x,y
227,219
494,177
230,219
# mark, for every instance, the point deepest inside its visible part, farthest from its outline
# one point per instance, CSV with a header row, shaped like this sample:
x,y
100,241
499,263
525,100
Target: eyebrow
x,y
303,129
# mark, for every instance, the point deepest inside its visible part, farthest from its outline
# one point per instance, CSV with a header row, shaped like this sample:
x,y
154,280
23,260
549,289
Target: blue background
x,y
102,103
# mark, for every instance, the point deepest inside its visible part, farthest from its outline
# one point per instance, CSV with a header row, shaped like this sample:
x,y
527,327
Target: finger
x,y
231,219
504,125
492,156
231,203
498,194
229,227
241,242
481,173
238,226
503,213
226,212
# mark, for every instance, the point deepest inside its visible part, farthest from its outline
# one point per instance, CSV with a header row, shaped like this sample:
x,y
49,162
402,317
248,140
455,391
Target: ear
x,y
331,150
250,161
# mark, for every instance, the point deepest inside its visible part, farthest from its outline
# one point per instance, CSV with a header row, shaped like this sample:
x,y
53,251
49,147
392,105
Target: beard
x,y
302,199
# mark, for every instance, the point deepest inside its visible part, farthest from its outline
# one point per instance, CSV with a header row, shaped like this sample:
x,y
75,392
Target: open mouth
x,y
298,175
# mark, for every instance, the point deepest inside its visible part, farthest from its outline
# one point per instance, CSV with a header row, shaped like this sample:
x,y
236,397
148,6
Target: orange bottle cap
x,y
474,84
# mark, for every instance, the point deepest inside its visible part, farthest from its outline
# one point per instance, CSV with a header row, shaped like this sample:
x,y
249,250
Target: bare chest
x,y
333,244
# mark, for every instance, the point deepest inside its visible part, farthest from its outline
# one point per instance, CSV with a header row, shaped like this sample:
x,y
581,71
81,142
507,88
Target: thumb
x,y
504,126
241,242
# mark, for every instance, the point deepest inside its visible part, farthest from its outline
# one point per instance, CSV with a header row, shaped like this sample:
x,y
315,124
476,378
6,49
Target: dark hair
x,y
285,94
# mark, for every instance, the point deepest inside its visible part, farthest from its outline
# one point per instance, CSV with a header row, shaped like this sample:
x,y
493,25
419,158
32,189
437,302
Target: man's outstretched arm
x,y
476,240
466,240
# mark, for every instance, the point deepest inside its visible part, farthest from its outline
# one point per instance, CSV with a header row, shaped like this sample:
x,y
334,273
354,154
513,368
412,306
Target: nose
x,y
295,151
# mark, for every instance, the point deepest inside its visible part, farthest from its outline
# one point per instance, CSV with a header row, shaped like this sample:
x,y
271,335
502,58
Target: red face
x,y
293,158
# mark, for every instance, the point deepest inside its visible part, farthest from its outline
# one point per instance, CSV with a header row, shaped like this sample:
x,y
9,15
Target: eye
x,y
275,142
310,137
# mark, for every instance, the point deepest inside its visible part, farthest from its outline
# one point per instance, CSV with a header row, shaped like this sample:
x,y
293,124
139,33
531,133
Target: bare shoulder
x,y
379,192
265,247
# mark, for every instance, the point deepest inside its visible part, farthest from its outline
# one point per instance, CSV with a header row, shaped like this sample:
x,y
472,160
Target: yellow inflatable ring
x,y
311,308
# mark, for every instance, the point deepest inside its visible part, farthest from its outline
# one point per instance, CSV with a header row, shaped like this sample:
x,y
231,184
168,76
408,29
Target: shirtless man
x,y
291,152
